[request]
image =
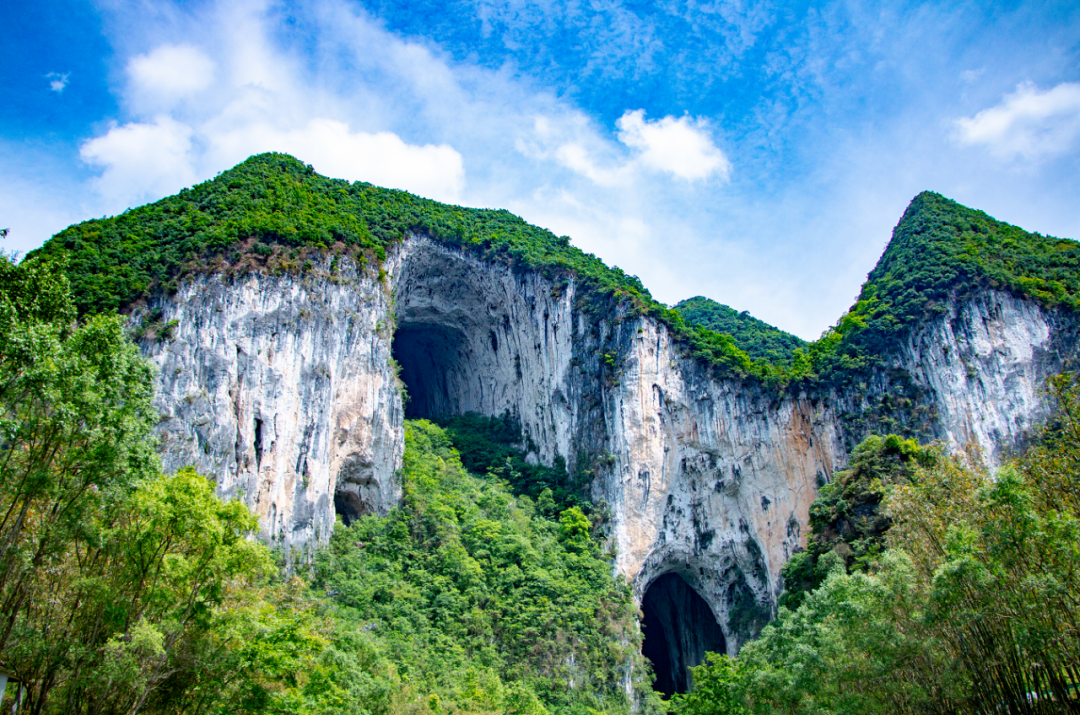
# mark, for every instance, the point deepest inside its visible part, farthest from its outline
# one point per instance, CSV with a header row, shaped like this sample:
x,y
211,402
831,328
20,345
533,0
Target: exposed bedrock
x,y
284,389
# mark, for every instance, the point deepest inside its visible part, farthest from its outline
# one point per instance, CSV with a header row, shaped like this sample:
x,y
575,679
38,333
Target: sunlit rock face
x,y
985,364
279,388
288,390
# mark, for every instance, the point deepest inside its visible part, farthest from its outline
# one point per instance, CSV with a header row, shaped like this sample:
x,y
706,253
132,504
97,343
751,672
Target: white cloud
x,y
1029,123
57,81
679,146
577,158
141,160
250,96
170,72
381,158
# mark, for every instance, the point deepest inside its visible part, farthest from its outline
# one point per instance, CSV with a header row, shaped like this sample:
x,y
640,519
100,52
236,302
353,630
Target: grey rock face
x,y
284,390
281,389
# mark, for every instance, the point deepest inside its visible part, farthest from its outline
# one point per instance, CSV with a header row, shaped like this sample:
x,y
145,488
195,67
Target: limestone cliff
x,y
286,390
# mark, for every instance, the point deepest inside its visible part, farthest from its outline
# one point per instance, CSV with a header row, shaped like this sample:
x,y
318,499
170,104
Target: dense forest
x,y
272,212
757,338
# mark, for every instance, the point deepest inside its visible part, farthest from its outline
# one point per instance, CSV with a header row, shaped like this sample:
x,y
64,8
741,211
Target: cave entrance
x,y
679,629
433,368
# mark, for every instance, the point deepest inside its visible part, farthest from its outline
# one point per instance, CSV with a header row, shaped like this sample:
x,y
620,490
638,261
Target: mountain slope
x,y
275,209
942,251
759,339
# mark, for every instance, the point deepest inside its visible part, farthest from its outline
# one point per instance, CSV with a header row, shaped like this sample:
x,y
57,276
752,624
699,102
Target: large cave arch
x,y
435,367
472,336
679,628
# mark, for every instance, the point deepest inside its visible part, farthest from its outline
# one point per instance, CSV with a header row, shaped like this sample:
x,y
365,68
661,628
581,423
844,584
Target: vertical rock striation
x,y
284,389
280,388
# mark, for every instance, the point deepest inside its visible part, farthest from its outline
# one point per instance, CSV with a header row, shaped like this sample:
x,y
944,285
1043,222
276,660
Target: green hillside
x,y
274,207
273,212
942,251
759,339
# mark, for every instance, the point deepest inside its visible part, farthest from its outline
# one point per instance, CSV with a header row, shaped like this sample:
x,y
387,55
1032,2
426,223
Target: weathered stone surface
x,y
284,390
281,389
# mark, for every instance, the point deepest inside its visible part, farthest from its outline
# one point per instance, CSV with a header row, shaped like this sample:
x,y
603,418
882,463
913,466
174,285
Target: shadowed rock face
x,y
680,629
432,366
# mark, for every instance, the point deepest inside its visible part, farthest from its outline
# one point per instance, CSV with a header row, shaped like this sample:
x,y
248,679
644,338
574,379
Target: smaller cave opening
x,y
679,629
349,506
430,357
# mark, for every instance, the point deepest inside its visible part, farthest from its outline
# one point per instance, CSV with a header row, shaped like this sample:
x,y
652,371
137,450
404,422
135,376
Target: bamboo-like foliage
x,y
1000,561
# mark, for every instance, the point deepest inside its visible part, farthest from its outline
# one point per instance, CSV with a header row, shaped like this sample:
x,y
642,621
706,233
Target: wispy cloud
x,y
1028,123
142,160
57,81
198,110
168,73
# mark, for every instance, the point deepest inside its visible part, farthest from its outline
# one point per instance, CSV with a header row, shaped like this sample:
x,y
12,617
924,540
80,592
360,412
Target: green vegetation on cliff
x,y
966,602
489,445
757,338
847,519
272,212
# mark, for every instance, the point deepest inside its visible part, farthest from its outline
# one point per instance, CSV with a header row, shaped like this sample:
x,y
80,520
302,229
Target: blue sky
x,y
756,153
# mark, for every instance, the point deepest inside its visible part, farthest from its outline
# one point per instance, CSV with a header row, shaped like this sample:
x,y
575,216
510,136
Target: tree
x,y
719,689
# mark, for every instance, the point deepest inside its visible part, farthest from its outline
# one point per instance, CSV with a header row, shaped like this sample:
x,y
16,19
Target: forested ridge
x,y
272,212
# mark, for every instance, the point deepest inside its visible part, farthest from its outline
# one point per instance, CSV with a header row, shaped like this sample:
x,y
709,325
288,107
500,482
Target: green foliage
x,y
846,518
758,339
483,603
717,689
489,445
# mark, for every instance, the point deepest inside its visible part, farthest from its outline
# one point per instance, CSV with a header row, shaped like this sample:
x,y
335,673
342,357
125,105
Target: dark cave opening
x,y
349,506
679,629
431,358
